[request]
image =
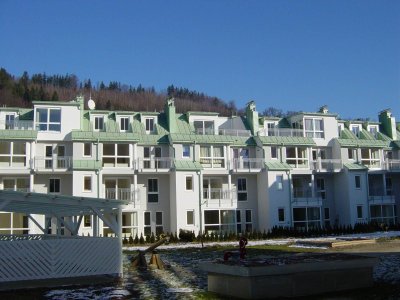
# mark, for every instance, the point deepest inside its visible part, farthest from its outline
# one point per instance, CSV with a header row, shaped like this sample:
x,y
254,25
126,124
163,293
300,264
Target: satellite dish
x,y
91,104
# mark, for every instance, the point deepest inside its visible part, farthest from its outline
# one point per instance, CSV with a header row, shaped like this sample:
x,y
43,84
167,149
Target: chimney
x,y
171,115
252,117
388,123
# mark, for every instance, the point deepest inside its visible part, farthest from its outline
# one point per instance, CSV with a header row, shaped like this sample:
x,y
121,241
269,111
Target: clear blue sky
x,y
293,55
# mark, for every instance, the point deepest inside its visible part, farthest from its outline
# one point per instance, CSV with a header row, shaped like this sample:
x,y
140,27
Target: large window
x,y
219,221
385,213
48,119
13,223
124,124
212,156
130,223
116,155
12,154
370,157
306,218
152,158
99,123
297,157
54,186
152,190
242,189
16,184
314,127
204,127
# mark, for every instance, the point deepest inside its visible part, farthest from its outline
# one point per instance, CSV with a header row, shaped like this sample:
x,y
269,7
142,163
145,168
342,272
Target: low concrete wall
x,y
293,280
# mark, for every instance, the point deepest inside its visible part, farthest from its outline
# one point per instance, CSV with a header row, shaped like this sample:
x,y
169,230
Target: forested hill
x,y
20,91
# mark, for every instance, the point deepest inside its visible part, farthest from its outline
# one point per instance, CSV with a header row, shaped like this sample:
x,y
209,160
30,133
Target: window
x,y
219,221
370,157
373,130
204,127
152,190
351,153
271,129
87,183
306,218
357,181
185,151
87,149
54,186
241,158
279,182
327,217
147,223
281,214
359,212
116,155
355,129
87,221
10,121
149,123
249,222
238,221
274,152
212,156
190,217
130,223
12,154
48,119
124,124
389,186
242,189
189,183
314,127
320,188
385,213
297,157
159,223
13,223
16,184
98,123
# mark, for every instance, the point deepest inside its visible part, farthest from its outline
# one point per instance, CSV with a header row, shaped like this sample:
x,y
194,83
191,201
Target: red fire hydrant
x,y
242,247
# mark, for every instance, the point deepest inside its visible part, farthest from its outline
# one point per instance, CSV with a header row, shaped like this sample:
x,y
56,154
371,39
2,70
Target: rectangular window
x,y
190,217
159,223
356,130
320,188
279,182
149,125
242,189
54,186
238,221
314,127
204,127
124,124
87,183
152,190
10,121
185,151
48,119
359,212
357,181
147,223
281,214
351,154
249,221
327,217
116,155
130,223
87,221
306,218
212,156
274,152
189,183
87,149
98,123
297,157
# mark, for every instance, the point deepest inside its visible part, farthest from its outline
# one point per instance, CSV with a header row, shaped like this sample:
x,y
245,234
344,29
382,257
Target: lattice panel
x,y
40,259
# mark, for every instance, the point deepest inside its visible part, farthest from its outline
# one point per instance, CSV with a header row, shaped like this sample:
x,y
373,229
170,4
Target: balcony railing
x,y
155,163
301,163
51,163
22,190
124,194
208,162
281,132
305,196
205,131
219,197
246,164
378,194
234,132
16,125
392,164
373,163
327,165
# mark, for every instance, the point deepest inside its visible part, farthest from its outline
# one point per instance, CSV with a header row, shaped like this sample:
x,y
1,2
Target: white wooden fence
x,y
46,257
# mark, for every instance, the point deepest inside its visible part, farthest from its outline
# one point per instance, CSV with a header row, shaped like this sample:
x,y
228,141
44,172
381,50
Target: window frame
x,y
186,182
193,217
84,149
279,183
281,220
185,152
47,123
85,190
155,193
98,120
313,132
50,186
360,214
124,124
240,190
357,183
149,125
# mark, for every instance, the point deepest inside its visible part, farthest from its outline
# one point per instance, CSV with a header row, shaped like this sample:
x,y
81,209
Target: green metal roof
x,y
152,139
286,140
104,136
363,143
201,139
187,165
8,134
277,166
396,144
354,166
86,164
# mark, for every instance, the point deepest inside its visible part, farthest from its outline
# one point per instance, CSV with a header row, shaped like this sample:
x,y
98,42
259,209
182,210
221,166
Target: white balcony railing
x,y
155,163
281,132
392,164
209,162
246,164
220,197
327,165
301,163
16,125
133,196
372,163
306,196
51,163
234,132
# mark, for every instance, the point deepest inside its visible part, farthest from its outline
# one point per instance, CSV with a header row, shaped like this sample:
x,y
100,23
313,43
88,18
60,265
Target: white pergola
x,y
52,256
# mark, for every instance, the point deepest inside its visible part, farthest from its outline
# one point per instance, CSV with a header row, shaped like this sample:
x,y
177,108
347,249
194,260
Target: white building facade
x,y
200,171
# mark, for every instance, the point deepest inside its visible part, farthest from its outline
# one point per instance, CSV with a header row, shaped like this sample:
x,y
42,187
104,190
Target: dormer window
x,y
204,127
124,124
48,119
373,130
10,121
149,123
314,128
98,123
355,129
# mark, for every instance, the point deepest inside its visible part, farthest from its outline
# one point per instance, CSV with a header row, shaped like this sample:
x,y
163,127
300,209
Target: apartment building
x,y
199,170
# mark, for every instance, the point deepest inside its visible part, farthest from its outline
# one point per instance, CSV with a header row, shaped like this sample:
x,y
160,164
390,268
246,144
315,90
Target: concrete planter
x,y
290,280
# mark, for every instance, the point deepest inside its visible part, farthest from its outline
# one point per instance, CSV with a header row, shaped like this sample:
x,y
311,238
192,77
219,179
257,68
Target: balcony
x,y
374,163
304,196
234,132
281,132
51,163
327,165
17,125
216,198
124,194
154,164
298,163
246,164
378,195
392,164
209,162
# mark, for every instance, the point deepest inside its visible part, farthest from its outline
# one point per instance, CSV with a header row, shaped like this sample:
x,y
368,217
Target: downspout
x,y
200,214
367,188
290,198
